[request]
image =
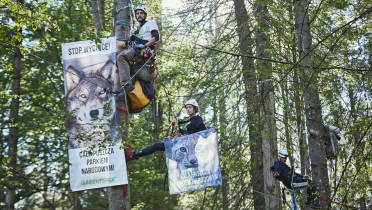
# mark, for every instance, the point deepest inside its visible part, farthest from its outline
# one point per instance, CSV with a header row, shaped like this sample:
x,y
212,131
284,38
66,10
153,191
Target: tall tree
x,y
267,105
102,14
13,126
96,14
118,199
250,84
313,107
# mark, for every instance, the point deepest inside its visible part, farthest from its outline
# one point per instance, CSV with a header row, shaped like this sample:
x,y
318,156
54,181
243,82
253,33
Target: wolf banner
x,y
193,162
94,141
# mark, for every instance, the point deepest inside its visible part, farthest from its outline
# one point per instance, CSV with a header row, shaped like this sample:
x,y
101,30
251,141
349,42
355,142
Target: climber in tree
x,y
146,35
193,124
285,174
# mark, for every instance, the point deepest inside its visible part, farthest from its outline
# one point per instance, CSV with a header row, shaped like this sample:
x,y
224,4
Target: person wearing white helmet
x,y
146,35
286,175
194,124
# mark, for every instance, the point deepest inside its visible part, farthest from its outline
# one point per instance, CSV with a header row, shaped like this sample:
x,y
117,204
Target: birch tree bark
x,y
250,84
267,109
313,109
118,200
13,127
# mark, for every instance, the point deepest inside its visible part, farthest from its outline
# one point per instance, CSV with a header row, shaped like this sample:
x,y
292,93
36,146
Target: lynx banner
x,y
193,162
94,142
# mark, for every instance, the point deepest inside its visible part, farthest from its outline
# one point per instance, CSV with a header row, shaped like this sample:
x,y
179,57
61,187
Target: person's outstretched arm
x,y
277,169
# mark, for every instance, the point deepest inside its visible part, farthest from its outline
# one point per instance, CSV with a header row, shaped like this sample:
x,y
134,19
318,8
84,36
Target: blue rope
x,y
123,22
294,202
121,39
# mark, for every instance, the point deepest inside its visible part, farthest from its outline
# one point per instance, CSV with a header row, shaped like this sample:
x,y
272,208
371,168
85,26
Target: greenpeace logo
x,y
97,181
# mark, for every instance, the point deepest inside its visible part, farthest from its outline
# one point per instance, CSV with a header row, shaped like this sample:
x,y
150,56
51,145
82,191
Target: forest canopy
x,y
269,74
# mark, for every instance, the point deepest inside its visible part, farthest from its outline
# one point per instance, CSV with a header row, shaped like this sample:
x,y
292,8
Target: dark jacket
x,y
284,170
285,173
195,124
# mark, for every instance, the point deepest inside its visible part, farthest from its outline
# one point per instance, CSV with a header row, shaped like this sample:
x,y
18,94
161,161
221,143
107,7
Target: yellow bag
x,y
138,99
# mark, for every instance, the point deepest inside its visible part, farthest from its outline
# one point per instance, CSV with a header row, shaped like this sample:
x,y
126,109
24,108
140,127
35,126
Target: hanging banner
x,y
193,162
94,141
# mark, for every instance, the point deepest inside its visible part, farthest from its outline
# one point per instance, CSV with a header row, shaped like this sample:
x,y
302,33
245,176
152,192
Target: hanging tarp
x,y
193,162
92,121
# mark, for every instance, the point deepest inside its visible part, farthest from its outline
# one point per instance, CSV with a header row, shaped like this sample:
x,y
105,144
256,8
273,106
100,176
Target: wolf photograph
x,y
92,114
193,161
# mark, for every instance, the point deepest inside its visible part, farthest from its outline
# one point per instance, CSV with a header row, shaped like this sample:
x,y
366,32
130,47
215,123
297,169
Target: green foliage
x,y
216,80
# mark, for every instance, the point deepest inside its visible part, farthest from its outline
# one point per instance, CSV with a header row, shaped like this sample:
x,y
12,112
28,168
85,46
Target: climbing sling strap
x,y
145,53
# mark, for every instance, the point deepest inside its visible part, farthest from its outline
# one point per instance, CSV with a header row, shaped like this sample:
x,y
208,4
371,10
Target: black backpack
x,y
148,89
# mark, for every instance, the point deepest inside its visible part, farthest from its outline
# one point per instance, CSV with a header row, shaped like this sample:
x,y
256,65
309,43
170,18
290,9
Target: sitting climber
x,y
284,173
146,35
195,124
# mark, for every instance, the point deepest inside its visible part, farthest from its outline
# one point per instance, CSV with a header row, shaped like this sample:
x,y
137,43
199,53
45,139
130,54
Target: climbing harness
x,y
175,134
154,73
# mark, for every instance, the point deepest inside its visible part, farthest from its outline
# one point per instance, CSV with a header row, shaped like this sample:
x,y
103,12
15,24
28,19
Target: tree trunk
x,y
362,202
225,188
245,44
95,14
267,109
356,130
298,104
286,113
13,129
313,109
118,200
102,14
157,112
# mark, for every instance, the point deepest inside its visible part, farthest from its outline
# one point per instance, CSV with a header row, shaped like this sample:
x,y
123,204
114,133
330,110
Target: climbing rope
x,y
328,199
123,22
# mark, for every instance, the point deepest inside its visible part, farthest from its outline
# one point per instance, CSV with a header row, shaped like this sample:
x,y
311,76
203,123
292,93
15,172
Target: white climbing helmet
x,y
141,7
192,102
283,153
